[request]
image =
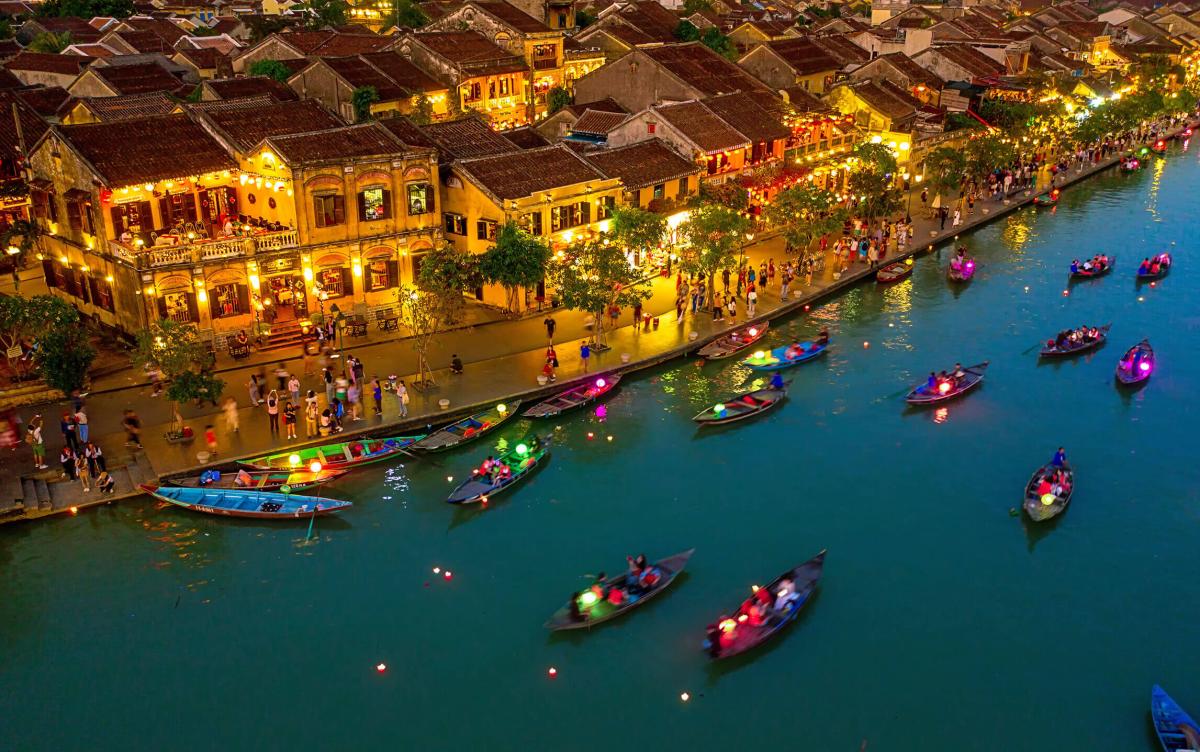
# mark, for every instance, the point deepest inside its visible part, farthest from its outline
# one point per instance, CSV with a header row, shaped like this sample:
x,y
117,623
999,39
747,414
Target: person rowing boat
x,y
777,380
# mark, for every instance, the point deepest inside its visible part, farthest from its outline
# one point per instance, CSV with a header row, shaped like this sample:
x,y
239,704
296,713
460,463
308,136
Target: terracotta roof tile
x,y
79,29
336,144
525,137
139,41
129,152
525,173
47,101
512,16
466,138
913,71
597,122
207,58
748,117
251,86
642,164
138,78
404,129
702,127
32,126
608,104
469,50
9,81
970,59
161,27
43,62
803,101
392,76
109,109
843,50
246,126
702,69
804,55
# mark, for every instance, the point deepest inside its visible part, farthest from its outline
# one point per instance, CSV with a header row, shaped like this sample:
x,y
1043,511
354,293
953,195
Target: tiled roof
x,y
8,48
348,142
608,104
701,126
913,71
843,50
525,137
108,109
305,41
642,164
524,173
137,78
512,16
702,69
970,59
139,41
43,62
247,126
803,101
804,55
32,126
208,58
163,28
340,45
251,86
392,76
8,80
470,50
94,50
79,29
651,19
129,152
1084,30
404,129
597,122
466,138
743,112
47,101
224,105
402,71
886,98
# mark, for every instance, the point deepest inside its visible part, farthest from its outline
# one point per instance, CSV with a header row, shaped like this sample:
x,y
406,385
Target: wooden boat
x,y
1052,351
733,635
1131,164
785,357
734,342
577,396
893,273
742,406
257,480
340,456
1159,147
1050,198
256,504
1164,268
973,377
1175,728
1041,507
964,273
523,459
467,429
1137,364
589,611
1080,273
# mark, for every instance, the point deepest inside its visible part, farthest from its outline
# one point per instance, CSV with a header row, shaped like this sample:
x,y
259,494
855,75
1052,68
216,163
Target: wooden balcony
x,y
197,252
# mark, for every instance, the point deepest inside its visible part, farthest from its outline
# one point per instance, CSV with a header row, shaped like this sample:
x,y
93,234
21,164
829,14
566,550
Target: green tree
x,y
176,350
517,260
324,13
409,15
271,69
261,27
24,236
944,169
86,8
422,110
637,230
435,302
594,276
584,18
64,357
713,39
26,321
714,237
695,6
987,151
361,99
6,28
50,43
557,98
804,213
873,180
686,31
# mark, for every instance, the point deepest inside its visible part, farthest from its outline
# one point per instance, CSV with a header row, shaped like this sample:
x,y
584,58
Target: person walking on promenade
x,y
731,306
81,426
456,364
752,300
294,389
585,352
273,411
232,419
281,377
725,279
377,394
680,304
67,425
785,280
354,397
327,377
210,439
255,391
133,429
637,316
310,418
402,398
358,369
289,420
551,324
33,437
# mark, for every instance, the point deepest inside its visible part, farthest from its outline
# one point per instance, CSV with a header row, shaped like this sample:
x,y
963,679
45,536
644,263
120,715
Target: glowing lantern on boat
x,y
587,599
908,261
727,625
753,332
1144,366
502,408
600,383
944,387
719,408
1048,499
759,355
522,449
294,459
314,467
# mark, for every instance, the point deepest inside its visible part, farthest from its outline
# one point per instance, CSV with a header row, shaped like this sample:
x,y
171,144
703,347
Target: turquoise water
x,y
942,621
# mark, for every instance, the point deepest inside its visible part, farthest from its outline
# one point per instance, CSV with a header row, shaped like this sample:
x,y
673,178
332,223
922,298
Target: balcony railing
x,y
547,63
145,257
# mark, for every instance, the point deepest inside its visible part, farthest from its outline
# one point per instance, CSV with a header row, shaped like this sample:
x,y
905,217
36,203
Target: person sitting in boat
x,y
1155,266
931,384
1087,266
777,380
600,587
793,351
785,595
822,337
1044,487
486,467
958,371
956,263
1075,266
1060,458
1144,267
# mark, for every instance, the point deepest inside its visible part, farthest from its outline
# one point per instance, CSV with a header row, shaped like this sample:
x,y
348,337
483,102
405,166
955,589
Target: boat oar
x,y
1031,349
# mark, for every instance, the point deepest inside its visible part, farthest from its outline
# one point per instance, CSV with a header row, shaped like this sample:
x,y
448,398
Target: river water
x,y
942,623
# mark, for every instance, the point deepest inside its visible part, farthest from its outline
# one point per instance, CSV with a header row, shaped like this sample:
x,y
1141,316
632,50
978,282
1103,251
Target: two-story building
x,y
482,76
400,85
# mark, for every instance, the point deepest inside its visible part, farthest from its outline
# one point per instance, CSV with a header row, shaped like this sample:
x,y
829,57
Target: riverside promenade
x,y
502,362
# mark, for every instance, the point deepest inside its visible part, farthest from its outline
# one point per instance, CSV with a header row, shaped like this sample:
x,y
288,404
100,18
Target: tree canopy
x,y
517,260
593,276
361,99
637,230
86,8
873,180
436,301
804,213
272,69
944,168
715,235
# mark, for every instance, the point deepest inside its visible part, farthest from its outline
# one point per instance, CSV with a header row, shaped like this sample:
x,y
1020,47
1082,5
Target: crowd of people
x,y
1097,264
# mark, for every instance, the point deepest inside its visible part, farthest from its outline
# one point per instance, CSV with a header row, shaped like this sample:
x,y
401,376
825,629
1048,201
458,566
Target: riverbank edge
x,y
797,305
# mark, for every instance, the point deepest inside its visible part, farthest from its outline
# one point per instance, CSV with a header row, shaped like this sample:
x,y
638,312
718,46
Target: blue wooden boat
x,y
256,504
524,459
786,356
1176,730
1164,268
467,429
736,634
972,377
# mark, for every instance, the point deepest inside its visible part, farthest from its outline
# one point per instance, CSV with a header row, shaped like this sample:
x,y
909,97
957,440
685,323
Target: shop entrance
x,y
284,298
